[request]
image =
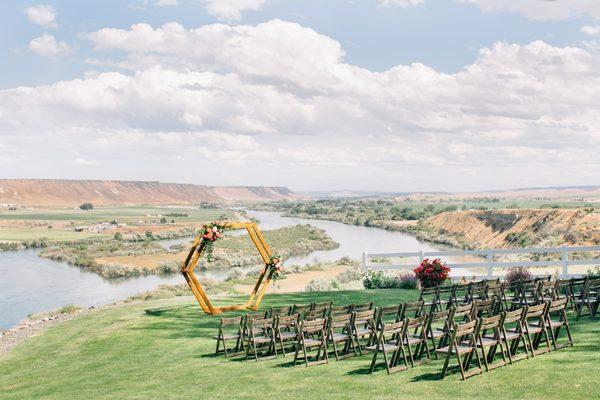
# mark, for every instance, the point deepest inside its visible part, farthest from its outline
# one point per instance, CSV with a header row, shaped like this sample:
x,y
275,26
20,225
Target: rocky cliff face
x,y
67,193
516,228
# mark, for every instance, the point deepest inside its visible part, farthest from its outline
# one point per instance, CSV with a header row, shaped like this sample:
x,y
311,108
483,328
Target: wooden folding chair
x,y
286,330
556,318
251,317
363,307
339,330
489,336
587,297
415,336
464,349
461,314
513,333
546,291
412,309
341,310
430,297
388,314
312,334
444,297
535,327
319,313
389,340
484,308
224,335
261,339
476,290
459,294
438,329
363,325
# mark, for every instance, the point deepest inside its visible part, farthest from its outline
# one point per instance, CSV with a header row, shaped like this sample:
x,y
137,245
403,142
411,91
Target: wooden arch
x,y
262,283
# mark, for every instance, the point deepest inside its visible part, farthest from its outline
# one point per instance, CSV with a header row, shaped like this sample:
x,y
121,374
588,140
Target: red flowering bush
x,y
432,272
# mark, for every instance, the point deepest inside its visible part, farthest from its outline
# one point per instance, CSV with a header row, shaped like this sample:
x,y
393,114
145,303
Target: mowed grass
x,y
163,350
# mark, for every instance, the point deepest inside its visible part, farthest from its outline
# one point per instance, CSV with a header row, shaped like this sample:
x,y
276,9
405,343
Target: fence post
x,y
490,259
365,260
565,262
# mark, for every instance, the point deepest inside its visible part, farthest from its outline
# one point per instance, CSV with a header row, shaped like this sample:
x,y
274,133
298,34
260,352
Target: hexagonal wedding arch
x,y
262,283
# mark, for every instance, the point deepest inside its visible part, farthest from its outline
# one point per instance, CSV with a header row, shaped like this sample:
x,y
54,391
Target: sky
x,y
373,95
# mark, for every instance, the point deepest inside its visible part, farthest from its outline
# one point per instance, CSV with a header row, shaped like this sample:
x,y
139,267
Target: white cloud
x,y
591,30
400,3
47,46
541,9
276,103
231,10
43,15
163,3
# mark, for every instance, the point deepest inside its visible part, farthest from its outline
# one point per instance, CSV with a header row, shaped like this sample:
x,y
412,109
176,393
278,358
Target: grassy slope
x,y
162,349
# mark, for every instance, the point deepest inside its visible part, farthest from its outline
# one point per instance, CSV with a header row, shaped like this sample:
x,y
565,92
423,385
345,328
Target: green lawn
x,y
162,350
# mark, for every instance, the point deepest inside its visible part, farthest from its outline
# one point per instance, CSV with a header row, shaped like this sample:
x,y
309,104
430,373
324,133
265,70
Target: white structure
x,y
485,259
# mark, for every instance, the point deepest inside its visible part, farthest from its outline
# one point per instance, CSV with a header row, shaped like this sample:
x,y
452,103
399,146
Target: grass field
x,y
24,234
163,350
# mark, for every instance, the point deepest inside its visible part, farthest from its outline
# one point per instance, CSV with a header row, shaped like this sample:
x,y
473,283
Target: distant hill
x,y
67,193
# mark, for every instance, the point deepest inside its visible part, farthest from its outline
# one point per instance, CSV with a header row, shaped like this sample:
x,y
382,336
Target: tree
x,y
87,206
163,220
118,236
149,235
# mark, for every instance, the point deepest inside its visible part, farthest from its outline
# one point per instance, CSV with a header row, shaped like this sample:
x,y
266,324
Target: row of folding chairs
x,y
582,293
471,331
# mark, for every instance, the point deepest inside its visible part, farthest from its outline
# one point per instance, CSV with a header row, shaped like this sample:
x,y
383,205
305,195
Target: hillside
x,y
516,228
68,193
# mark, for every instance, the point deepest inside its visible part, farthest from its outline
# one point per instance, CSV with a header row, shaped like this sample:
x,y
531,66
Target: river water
x,y
30,284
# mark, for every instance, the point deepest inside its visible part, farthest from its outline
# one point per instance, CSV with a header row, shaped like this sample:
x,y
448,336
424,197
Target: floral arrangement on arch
x,y
275,265
210,234
432,272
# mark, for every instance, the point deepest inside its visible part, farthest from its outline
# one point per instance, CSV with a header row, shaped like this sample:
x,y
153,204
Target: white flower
x,y
215,229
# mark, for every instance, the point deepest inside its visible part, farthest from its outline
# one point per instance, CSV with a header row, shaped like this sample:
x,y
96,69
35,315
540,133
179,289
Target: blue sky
x,y
393,95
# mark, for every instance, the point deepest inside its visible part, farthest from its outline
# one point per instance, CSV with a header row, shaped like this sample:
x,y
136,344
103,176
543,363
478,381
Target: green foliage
x,y
381,280
118,236
520,239
87,206
163,220
594,272
149,235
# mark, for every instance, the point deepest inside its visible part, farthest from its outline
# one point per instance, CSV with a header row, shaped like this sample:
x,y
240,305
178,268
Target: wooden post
x,y
365,260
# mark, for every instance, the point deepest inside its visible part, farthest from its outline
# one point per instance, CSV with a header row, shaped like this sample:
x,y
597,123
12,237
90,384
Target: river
x,y
30,284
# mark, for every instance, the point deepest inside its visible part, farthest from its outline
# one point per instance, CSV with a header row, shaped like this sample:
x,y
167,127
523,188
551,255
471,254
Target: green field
x,y
24,234
163,350
122,214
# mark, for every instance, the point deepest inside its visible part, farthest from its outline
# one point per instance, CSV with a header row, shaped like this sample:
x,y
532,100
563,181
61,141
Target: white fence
x,y
487,258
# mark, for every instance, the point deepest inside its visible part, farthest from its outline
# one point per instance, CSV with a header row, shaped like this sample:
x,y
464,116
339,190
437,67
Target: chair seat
x,y
512,334
339,337
287,335
363,331
488,341
229,336
436,333
312,342
261,339
462,349
534,328
414,339
385,347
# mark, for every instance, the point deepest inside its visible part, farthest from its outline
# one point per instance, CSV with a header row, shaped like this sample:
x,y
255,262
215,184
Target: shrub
x,y
163,220
407,280
319,285
350,275
118,236
517,274
87,206
432,272
235,274
380,280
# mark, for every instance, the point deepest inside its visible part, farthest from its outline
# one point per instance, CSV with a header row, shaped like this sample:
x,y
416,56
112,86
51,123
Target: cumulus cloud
x,y
47,46
231,10
43,15
591,30
279,98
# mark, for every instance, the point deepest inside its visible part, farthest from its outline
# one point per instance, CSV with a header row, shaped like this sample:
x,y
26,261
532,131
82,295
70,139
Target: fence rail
x,y
488,262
